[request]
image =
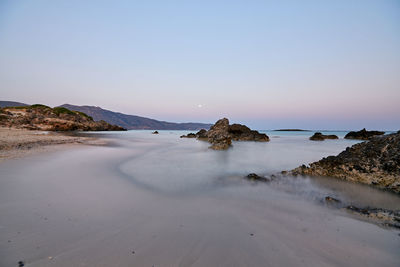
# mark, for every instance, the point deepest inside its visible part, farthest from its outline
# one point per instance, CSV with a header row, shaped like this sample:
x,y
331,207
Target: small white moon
x,y
199,105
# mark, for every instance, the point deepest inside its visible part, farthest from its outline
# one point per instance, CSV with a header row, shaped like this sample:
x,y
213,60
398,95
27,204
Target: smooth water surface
x,y
161,200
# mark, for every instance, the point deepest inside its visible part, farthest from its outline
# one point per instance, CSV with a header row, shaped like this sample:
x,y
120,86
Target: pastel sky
x,y
269,64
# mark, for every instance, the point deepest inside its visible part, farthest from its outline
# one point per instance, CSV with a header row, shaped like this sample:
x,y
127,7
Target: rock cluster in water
x,y
375,162
221,134
41,117
363,134
321,137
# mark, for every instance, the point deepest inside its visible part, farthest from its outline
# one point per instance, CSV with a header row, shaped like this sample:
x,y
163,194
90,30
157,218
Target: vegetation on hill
x,y
42,117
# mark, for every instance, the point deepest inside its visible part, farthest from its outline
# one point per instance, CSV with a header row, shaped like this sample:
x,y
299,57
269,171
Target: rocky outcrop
x,y
239,132
189,135
321,137
363,134
155,132
221,134
40,117
375,162
257,178
202,134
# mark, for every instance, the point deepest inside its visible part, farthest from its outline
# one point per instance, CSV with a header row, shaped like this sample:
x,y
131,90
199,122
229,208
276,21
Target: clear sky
x,y
269,64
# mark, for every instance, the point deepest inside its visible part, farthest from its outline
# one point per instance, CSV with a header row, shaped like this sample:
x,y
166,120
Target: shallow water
x,y
160,200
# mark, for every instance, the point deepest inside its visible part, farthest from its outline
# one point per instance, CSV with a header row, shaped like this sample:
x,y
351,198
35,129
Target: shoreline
x,y
18,143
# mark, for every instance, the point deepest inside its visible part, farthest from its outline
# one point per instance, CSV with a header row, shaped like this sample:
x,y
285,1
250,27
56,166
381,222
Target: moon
x,y
199,105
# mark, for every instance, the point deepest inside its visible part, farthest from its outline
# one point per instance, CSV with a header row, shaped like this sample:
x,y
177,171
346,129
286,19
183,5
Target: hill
x,y
132,122
41,117
4,104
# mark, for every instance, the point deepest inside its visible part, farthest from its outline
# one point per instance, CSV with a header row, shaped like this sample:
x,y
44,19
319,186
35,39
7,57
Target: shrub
x,y
40,106
84,115
61,110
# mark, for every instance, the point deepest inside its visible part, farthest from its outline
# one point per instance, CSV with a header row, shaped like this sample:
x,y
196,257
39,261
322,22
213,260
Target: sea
x,y
143,199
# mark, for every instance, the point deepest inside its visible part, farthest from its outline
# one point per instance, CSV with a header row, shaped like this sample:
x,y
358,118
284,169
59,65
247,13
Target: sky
x,y
269,64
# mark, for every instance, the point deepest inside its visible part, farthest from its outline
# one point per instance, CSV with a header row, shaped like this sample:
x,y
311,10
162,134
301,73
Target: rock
x,y
363,134
329,199
321,137
221,134
256,177
390,217
155,132
375,162
218,135
189,135
221,144
239,132
202,134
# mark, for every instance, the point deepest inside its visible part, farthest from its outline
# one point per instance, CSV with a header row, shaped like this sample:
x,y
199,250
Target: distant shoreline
x,y
291,130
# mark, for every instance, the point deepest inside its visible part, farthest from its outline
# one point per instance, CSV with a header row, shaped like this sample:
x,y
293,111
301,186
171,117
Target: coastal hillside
x,y
4,104
41,117
132,122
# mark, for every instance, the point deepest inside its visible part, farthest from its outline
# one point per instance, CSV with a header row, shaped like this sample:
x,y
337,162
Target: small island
x,y
321,137
291,130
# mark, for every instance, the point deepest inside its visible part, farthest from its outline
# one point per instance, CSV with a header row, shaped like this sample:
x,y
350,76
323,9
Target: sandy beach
x,y
15,143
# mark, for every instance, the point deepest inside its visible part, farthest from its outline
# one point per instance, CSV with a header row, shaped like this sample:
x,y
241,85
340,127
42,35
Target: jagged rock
x,y
375,162
218,135
240,132
390,217
363,134
256,177
321,137
221,134
329,199
155,132
202,134
189,135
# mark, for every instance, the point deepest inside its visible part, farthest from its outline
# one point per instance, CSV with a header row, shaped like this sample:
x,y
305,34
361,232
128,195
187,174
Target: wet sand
x,y
126,205
16,143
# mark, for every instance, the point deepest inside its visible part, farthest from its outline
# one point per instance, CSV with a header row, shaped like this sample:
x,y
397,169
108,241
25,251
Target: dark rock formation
x,y
40,117
390,218
256,177
221,134
321,137
155,132
329,199
218,135
239,132
363,134
189,135
375,162
202,134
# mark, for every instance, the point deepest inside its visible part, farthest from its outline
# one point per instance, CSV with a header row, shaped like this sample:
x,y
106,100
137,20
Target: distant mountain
x,y
132,122
12,104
